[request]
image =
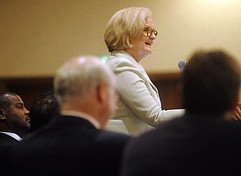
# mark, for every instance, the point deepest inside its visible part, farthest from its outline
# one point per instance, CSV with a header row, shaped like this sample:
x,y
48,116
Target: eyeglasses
x,y
149,31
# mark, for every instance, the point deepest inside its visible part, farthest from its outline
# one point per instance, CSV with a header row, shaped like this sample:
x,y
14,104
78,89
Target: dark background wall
x,y
29,88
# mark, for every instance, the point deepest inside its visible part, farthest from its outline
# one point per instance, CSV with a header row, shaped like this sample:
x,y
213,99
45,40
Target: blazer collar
x,y
124,54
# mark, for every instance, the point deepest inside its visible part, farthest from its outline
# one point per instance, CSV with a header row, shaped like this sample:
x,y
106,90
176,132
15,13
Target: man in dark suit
x,y
74,142
205,140
14,123
14,120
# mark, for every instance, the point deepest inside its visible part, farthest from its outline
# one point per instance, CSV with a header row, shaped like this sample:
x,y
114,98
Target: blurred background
x,y
36,37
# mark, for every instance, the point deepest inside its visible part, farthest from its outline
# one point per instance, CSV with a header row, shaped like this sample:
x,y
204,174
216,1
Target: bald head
x,y
79,76
85,84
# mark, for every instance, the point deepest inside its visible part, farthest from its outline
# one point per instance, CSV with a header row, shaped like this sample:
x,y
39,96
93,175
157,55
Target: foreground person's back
x,y
73,143
68,146
205,141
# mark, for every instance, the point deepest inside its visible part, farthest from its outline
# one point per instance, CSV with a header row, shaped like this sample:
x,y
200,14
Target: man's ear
x,y
3,114
101,92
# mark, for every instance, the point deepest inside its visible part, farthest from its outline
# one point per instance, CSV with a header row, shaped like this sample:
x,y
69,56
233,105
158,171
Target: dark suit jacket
x,y
68,146
189,145
6,141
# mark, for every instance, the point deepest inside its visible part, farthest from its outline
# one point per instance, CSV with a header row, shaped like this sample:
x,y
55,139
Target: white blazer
x,y
138,106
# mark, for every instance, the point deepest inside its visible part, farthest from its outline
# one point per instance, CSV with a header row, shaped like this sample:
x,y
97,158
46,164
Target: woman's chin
x,y
148,52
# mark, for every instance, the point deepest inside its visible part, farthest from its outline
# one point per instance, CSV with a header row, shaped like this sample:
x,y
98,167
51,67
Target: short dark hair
x,y
42,109
211,82
5,101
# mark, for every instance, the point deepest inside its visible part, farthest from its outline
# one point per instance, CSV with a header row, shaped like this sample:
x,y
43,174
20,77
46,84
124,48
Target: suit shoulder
x,y
114,136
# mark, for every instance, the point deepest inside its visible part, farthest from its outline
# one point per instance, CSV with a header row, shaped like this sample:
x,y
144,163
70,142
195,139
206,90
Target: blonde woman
x,y
129,36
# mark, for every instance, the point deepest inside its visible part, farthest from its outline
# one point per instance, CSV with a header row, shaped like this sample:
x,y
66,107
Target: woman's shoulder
x,y
121,59
118,61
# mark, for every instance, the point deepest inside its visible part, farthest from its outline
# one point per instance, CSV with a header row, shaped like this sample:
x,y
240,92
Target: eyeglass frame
x,y
148,33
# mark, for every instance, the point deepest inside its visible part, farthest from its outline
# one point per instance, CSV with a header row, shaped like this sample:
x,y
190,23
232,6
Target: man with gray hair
x,y
74,142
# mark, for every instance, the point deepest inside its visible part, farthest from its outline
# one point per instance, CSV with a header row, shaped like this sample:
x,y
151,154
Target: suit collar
x,y
12,135
82,115
71,121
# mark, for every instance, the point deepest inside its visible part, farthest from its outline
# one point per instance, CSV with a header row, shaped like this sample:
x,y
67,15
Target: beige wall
x,y
37,36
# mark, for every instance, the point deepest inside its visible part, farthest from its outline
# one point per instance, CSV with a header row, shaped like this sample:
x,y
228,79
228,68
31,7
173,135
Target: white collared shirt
x,y
84,116
13,135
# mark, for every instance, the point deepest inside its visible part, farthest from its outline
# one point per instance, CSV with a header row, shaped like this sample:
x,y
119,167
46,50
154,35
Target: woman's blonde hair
x,y
124,24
